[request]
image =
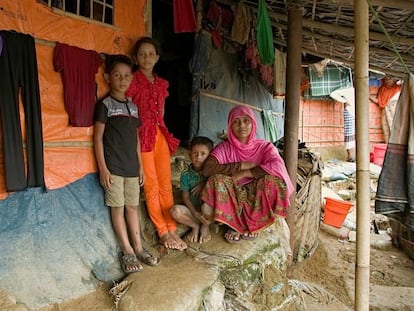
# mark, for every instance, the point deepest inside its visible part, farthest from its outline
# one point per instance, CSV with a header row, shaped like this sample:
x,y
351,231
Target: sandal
x,y
147,258
129,263
249,236
232,236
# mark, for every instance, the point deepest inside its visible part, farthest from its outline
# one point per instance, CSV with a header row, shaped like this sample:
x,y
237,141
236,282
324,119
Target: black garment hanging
x,y
18,72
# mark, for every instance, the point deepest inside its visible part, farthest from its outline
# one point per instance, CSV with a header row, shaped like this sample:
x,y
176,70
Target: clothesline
x,y
236,102
53,44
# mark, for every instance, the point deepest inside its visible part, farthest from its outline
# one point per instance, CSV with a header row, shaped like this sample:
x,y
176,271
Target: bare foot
x,y
192,236
181,245
205,233
168,241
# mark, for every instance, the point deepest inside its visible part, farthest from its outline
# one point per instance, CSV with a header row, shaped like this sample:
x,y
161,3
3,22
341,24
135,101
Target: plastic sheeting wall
x,y
59,244
68,150
216,72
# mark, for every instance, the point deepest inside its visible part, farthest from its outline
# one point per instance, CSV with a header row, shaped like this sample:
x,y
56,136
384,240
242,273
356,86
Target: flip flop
x,y
232,236
249,236
131,261
147,258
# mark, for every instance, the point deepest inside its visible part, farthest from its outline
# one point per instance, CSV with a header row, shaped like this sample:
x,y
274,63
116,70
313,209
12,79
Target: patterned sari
x,y
246,208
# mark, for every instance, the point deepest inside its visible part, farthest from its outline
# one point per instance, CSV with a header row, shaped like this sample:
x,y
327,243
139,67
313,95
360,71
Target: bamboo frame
x,y
236,102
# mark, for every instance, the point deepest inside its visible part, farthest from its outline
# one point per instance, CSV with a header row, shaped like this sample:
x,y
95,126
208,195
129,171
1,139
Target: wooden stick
x,y
236,102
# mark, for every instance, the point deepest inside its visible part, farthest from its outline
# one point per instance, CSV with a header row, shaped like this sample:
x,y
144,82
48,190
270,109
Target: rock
x,y
217,276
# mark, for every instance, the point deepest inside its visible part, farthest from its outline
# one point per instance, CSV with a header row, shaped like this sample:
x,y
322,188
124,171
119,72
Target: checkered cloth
x,y
333,78
349,129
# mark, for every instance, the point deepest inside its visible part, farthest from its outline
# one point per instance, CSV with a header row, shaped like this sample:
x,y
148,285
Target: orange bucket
x,y
336,211
379,153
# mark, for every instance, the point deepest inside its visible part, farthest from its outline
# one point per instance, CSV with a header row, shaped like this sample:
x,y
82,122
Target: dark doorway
x,y
176,52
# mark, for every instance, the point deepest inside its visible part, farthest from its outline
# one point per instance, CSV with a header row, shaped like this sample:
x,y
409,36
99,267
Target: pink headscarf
x,y
260,151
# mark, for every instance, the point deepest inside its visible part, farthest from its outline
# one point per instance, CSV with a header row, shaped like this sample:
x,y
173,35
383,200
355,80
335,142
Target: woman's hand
x,y
240,175
247,165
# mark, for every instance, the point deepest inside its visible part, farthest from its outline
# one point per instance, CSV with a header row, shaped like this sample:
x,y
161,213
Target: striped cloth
x,y
349,129
333,78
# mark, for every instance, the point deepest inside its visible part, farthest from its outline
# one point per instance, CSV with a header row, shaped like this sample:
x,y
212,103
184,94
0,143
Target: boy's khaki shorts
x,y
123,191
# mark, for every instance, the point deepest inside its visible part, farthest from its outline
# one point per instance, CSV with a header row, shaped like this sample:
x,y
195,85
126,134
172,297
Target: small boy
x,y
118,155
194,214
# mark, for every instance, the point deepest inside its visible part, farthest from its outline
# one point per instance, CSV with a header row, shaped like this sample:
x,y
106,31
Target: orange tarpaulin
x,y
68,151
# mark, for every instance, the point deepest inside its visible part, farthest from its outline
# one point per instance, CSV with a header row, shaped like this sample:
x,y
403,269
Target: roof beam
x,y
348,31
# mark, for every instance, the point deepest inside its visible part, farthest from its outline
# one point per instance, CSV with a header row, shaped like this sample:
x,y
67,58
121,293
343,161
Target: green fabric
x,y
270,126
264,35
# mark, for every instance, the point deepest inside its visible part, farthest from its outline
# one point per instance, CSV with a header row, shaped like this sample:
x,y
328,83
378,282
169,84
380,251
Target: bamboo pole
x,y
361,29
237,102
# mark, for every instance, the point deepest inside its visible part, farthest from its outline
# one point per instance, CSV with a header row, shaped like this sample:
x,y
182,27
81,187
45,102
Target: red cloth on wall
x,y
184,17
78,68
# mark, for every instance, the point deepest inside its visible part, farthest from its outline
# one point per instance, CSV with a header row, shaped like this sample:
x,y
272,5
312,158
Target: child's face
x,y
119,78
146,56
198,154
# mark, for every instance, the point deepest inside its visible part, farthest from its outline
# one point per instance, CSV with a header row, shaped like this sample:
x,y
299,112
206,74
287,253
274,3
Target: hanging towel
x,y
280,73
184,16
264,35
270,126
241,26
78,68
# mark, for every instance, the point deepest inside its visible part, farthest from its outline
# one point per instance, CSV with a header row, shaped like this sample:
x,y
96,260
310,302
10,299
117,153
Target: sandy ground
x,y
331,268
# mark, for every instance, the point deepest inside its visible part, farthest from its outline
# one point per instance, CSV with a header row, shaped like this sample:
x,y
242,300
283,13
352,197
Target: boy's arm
x,y
105,177
187,201
141,169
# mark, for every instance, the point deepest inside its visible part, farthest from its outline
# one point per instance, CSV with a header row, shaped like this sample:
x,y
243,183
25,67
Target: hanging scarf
x,y
265,35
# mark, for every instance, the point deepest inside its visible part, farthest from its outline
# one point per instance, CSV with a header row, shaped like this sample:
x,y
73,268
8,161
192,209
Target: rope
x,y
388,36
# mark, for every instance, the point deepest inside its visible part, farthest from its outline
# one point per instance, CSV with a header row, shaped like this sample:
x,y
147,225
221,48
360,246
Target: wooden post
x,y
293,80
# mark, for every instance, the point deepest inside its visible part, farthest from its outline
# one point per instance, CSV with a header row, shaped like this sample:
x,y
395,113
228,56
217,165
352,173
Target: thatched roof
x,y
328,31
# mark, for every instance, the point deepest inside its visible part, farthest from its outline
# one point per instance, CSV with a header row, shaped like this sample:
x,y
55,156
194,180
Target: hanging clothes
x,y
184,16
18,69
242,23
78,68
270,126
264,35
280,73
395,192
333,78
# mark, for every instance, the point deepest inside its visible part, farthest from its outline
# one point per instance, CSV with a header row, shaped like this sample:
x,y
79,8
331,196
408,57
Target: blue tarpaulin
x,y
56,245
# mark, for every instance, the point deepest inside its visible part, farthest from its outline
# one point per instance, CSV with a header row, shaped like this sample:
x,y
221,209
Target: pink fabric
x,y
250,208
260,151
184,17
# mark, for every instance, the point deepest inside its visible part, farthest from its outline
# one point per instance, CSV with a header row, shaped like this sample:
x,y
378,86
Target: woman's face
x,y
241,128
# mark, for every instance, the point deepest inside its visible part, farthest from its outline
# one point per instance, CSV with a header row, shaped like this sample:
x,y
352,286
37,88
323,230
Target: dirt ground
x,y
331,267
